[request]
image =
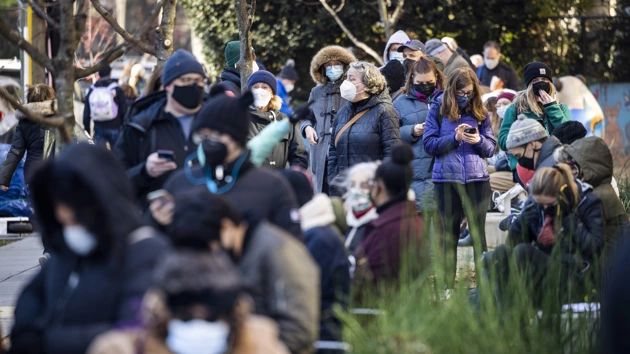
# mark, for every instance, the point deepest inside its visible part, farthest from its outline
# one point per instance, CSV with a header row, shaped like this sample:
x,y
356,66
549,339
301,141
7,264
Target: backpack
x,y
103,107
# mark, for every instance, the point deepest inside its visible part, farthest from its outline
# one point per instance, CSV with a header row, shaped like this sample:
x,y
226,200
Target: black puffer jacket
x,y
369,139
289,150
29,137
74,299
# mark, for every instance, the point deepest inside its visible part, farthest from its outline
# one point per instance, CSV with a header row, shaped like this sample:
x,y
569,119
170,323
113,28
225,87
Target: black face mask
x,y
188,96
425,89
541,85
528,162
211,153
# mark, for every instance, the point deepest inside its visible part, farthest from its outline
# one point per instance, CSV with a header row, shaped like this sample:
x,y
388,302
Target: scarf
x,y
547,235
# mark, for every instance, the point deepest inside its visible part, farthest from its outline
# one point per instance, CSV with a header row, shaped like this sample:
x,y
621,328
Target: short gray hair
x,y
371,77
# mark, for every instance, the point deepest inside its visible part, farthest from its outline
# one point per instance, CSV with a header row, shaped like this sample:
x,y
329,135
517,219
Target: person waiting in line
x,y
328,68
394,73
278,272
286,81
391,48
394,239
412,50
361,210
459,134
367,127
266,109
569,132
560,220
494,69
451,60
537,102
102,256
501,176
197,305
453,46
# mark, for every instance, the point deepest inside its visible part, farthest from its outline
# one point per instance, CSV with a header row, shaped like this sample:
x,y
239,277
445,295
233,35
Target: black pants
x,y
451,197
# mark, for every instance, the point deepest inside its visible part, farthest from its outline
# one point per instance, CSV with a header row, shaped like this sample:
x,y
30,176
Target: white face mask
x,y
197,336
334,72
501,111
289,87
348,90
255,67
261,97
491,63
79,240
396,56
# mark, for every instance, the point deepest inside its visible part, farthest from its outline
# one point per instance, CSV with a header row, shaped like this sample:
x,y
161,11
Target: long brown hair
x,y
39,93
424,65
457,80
552,181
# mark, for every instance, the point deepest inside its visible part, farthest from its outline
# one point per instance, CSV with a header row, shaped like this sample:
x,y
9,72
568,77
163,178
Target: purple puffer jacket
x,y
457,162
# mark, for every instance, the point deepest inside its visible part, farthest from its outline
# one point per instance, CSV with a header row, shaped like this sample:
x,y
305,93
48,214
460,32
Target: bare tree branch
x,y
80,20
109,57
152,18
354,39
340,7
397,13
41,13
55,121
17,40
121,31
164,32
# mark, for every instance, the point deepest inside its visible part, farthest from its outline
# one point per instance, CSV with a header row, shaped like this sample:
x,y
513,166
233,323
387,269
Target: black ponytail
x,y
396,173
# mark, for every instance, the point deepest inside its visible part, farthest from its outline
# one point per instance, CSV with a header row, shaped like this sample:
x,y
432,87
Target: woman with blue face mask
x,y
328,69
458,133
101,260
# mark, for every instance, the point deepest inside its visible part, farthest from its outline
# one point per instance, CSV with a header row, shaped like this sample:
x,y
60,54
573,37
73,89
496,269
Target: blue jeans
x,y
103,136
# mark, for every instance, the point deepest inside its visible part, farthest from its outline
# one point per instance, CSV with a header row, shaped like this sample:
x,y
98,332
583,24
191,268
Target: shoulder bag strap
x,y
349,124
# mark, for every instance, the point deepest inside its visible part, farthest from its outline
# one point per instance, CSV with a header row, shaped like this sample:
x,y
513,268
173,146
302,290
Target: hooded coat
x,y
30,139
74,299
324,244
371,138
400,37
232,75
596,163
290,150
326,103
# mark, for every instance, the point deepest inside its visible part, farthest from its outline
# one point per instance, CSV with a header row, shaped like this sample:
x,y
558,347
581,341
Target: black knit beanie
x,y
300,185
396,172
536,69
570,131
288,71
227,115
394,73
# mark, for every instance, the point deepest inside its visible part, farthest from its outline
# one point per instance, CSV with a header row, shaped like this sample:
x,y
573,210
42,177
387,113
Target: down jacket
x,y
326,103
371,138
28,139
290,150
457,161
412,111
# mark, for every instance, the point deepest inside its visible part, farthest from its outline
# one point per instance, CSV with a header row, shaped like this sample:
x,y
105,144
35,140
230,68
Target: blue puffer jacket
x,y
457,162
412,111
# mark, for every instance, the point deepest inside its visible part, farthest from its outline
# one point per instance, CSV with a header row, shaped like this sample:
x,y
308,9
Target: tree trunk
x,y
64,66
245,17
382,11
38,32
164,47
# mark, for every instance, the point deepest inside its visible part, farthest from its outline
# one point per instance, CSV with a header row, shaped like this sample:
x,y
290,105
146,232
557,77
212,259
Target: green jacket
x,y
555,114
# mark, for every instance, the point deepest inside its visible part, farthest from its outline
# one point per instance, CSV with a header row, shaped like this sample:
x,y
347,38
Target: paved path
x,y
18,264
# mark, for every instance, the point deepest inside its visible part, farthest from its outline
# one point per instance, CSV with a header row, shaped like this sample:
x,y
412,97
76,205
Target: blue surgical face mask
x,y
462,101
334,72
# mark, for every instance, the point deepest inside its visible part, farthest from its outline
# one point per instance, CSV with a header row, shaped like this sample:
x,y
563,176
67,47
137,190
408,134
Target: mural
x,y
614,98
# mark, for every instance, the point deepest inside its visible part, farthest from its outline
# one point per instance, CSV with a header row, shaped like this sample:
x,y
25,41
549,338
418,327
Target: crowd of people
x,y
176,240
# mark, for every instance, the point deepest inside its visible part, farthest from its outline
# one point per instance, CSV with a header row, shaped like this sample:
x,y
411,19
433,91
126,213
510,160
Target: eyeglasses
x,y
468,94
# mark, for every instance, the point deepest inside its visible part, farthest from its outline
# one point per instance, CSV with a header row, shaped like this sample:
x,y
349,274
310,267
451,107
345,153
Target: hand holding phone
x,y
470,131
167,155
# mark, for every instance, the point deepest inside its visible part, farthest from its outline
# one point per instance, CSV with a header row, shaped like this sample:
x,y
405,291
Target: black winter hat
x,y
396,172
105,71
570,131
227,115
300,185
288,71
181,63
536,69
394,73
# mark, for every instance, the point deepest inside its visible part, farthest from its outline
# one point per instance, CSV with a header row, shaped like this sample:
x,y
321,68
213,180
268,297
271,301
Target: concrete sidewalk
x,y
18,264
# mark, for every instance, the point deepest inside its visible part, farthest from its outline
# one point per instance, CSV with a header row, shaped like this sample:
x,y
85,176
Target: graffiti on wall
x,y
614,100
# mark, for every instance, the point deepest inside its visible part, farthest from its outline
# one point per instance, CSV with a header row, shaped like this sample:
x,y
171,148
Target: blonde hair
x,y
371,77
275,103
39,93
526,101
552,181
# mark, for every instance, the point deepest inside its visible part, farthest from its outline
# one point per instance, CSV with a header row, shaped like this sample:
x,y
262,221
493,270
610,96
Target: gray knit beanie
x,y
523,131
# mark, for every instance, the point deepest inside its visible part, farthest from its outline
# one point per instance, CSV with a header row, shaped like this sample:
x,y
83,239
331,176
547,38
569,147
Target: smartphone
x,y
161,195
167,155
470,131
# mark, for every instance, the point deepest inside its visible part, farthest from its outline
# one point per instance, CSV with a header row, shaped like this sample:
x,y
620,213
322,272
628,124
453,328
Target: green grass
x,y
623,184
4,243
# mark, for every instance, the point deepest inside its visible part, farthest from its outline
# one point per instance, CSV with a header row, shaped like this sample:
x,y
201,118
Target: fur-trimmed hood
x,y
44,108
326,54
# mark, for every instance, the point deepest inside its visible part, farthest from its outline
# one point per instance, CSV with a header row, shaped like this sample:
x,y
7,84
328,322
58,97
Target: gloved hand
x,y
302,113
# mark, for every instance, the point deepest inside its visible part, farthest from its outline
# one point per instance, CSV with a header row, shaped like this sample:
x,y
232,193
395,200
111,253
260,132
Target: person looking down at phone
x,y
561,214
163,121
459,134
225,168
